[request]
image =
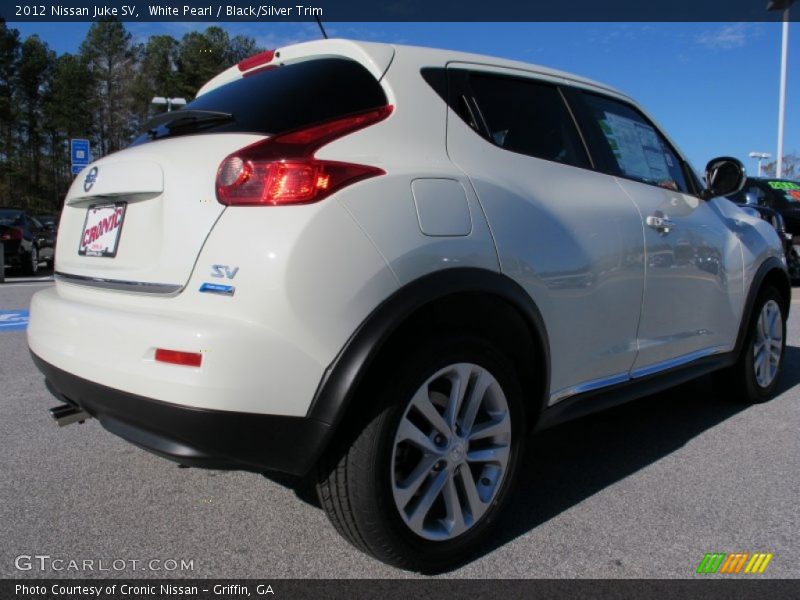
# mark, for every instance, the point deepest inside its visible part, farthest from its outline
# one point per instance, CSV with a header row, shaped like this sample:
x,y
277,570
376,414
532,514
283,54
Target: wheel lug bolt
x,y
439,465
439,440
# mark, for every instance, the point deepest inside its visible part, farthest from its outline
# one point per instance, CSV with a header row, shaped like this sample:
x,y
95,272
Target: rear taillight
x,y
11,233
282,169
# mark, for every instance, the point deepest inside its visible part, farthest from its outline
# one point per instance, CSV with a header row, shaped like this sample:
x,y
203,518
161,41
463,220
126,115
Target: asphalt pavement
x,y
644,491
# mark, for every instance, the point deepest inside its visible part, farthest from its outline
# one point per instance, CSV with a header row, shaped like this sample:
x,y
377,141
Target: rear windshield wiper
x,y
185,118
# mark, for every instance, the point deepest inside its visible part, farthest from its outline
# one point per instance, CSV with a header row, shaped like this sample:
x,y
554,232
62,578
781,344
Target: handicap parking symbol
x,y
13,320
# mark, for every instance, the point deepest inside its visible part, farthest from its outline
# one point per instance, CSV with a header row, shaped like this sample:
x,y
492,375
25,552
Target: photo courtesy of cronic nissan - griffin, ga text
x,y
381,268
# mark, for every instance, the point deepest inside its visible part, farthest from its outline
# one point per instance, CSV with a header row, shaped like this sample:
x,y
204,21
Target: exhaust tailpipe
x,y
66,414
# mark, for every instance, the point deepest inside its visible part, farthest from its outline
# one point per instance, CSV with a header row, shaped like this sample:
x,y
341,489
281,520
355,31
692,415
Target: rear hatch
x,y
137,219
142,214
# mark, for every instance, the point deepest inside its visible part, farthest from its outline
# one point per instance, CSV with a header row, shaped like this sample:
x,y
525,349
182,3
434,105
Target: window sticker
x,y
789,189
636,147
784,185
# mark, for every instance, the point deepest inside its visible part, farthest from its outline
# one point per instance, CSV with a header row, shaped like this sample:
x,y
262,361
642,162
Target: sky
x,y
713,87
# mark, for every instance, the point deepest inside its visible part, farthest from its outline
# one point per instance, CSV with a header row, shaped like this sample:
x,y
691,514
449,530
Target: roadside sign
x,y
80,154
13,320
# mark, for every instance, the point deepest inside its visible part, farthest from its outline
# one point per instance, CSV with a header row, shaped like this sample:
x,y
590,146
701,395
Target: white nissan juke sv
x,y
382,267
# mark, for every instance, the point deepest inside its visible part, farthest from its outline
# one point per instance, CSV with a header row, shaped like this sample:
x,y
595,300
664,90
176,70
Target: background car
x,y
24,239
778,202
45,231
50,221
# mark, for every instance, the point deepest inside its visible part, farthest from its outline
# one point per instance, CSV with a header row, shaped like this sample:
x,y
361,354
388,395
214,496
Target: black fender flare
x,y
342,377
771,264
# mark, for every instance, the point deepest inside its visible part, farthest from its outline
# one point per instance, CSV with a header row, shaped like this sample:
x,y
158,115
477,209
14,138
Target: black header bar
x,y
400,10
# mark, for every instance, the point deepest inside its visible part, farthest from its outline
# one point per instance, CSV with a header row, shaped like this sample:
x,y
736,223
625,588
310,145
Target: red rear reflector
x,y
256,60
283,170
176,357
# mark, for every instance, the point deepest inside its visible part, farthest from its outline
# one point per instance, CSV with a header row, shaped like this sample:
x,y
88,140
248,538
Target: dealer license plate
x,y
101,230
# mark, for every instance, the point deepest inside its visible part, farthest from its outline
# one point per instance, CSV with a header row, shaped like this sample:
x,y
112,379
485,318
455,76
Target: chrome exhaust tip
x,y
66,414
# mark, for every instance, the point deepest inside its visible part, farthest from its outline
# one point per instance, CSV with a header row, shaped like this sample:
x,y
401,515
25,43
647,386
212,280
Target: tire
x,y
31,265
755,381
367,487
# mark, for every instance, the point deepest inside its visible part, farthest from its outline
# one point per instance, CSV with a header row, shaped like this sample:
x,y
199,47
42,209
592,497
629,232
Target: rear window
x,y
10,217
281,99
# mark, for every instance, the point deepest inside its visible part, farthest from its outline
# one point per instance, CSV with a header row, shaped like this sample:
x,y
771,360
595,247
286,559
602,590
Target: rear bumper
x,y
197,437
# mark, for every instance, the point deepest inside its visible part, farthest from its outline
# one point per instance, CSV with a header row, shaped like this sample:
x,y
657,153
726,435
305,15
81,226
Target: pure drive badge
x,y
217,288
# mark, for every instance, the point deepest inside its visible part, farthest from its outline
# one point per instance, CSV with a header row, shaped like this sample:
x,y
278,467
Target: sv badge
x,y
224,271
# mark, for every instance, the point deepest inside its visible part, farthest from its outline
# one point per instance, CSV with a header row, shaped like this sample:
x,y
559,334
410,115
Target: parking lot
x,y
644,490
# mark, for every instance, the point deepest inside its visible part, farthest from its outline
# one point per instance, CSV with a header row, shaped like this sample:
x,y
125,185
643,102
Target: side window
x,y
753,194
637,149
527,117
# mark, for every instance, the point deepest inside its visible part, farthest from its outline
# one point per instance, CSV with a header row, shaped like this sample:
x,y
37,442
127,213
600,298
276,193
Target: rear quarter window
x,y
527,117
283,98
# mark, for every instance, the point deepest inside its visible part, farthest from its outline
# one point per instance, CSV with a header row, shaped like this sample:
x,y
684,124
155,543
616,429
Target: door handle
x,y
660,224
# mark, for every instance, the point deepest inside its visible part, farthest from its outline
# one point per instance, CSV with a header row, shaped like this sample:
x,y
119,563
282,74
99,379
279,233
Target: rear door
x,y
693,282
564,232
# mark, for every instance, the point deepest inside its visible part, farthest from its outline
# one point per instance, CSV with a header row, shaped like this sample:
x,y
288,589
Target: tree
x,y
791,167
9,59
156,74
33,76
110,56
240,48
66,116
202,55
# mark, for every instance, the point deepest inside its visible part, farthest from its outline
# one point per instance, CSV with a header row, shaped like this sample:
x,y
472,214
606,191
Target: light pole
x,y
784,6
760,156
170,102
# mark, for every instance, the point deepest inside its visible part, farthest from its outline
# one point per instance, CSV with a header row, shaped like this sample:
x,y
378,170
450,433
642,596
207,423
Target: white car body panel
x,y
264,349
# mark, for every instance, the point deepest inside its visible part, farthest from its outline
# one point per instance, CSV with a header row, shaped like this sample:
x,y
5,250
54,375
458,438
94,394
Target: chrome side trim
x,y
140,287
677,362
588,386
665,365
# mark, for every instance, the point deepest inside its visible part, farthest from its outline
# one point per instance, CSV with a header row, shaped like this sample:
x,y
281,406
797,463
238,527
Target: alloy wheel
x,y
768,343
451,451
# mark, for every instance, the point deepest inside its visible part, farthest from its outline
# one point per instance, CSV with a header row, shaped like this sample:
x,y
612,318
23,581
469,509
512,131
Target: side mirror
x,y
724,176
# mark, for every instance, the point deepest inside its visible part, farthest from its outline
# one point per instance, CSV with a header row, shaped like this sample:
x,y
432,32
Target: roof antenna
x,y
321,28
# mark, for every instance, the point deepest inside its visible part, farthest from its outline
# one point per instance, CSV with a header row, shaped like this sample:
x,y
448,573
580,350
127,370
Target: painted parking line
x,y
13,320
